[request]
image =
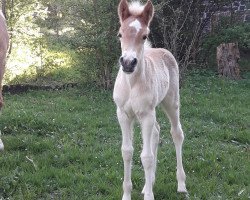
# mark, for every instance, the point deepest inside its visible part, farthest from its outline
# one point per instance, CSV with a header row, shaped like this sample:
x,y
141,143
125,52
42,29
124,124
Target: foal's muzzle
x,y
128,66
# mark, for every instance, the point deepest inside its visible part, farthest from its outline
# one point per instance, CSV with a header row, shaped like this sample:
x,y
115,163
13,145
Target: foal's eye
x,y
119,35
145,37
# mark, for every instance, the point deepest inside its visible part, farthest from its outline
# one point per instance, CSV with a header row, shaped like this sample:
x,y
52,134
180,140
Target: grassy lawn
x,y
66,144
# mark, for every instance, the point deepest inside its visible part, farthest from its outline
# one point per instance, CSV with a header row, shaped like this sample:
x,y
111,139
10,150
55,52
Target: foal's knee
x,y
147,161
127,153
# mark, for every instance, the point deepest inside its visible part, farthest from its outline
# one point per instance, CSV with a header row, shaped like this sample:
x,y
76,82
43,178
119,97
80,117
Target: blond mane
x,y
136,8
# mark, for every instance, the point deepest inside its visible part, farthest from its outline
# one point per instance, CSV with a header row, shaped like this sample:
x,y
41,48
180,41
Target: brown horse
x,y
147,78
4,43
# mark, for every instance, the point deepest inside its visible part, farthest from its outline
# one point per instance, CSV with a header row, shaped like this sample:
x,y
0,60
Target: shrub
x,y
238,33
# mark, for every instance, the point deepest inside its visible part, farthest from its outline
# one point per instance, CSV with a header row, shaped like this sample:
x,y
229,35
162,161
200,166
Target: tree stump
x,y
228,56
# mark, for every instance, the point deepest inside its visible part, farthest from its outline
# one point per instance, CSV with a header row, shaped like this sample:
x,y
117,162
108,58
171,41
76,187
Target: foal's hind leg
x,y
2,66
154,144
172,110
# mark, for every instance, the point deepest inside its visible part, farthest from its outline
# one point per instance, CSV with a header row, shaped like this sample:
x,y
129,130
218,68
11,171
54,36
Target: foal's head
x,y
135,20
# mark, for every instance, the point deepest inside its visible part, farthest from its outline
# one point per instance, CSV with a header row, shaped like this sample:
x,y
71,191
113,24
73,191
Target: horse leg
x,y
1,145
147,156
126,125
1,99
178,137
2,66
154,144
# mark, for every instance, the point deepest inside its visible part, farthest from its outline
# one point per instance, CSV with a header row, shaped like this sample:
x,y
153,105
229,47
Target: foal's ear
x,y
123,10
148,13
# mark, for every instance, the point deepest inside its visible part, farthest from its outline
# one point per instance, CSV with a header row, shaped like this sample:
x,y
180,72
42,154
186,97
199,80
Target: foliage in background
x,y
95,28
239,33
87,28
53,39
28,44
180,26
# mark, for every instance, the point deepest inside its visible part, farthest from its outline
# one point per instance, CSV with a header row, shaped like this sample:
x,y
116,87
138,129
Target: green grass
x,y
66,144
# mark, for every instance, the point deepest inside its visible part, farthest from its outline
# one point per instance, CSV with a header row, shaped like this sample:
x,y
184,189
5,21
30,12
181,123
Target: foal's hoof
x,y
126,197
149,197
182,188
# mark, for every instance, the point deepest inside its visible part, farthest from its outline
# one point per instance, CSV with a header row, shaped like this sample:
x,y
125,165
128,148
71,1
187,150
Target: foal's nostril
x,y
134,62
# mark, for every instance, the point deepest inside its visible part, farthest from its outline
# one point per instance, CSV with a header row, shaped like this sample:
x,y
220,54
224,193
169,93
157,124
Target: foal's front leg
x,y
127,149
147,121
154,145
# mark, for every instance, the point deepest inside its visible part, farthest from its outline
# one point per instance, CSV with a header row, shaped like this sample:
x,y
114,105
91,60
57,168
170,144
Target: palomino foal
x,y
4,42
147,77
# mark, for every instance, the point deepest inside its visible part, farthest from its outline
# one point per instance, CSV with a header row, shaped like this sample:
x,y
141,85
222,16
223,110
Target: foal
x,y
147,78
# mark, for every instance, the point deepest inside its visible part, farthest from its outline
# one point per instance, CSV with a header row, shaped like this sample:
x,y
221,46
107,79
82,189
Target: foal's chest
x,y
135,101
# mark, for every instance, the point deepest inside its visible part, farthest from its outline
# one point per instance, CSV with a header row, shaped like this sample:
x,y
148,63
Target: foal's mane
x,y
136,8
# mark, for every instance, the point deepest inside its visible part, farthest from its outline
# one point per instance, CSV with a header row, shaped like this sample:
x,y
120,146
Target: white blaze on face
x,y
136,24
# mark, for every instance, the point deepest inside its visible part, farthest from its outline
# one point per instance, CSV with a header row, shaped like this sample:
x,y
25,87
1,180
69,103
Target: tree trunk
x,y
228,56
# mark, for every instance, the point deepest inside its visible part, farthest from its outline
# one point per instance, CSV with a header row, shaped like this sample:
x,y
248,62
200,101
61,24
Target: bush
x,y
238,33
